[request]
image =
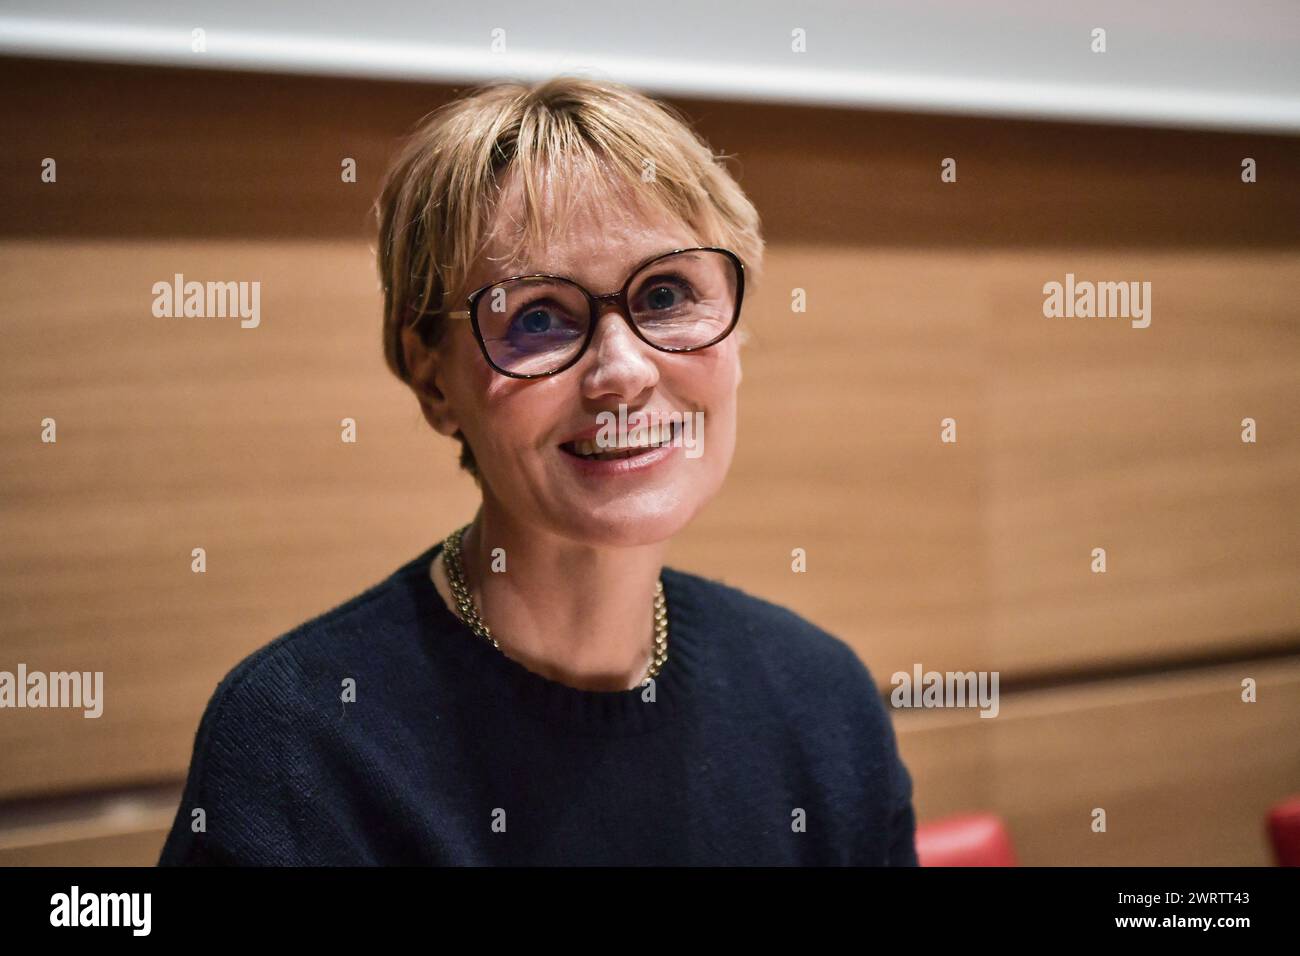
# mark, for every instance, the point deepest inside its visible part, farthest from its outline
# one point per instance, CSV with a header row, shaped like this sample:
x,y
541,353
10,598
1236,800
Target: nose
x,y
618,362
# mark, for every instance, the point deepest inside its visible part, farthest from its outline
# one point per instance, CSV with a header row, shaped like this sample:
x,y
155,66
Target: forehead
x,y
608,233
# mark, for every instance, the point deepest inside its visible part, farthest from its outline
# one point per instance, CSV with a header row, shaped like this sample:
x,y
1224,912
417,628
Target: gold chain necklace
x,y
469,611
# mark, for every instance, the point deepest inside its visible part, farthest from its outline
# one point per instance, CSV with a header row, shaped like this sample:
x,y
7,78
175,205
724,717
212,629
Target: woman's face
x,y
516,427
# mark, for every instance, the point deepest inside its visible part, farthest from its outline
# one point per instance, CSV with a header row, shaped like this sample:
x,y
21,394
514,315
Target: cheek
x,y
481,406
721,378
518,416
713,387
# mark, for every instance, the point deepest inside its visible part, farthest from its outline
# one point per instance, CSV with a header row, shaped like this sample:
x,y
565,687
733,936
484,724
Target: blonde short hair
x,y
439,198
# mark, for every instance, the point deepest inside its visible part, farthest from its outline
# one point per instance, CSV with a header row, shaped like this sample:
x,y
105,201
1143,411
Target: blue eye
x,y
661,297
536,321
542,325
664,294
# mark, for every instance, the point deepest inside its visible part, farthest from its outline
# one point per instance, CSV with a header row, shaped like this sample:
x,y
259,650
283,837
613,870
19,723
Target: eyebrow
x,y
638,263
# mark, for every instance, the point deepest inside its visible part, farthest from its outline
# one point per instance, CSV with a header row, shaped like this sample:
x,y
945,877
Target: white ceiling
x,y
1226,64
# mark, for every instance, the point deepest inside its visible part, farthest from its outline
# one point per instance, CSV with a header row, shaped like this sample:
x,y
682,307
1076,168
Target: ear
x,y
427,367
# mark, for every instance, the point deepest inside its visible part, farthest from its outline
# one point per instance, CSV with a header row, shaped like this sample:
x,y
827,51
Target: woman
x,y
560,263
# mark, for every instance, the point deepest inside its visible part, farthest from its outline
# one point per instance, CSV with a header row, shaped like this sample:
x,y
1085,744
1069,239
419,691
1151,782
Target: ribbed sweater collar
x,y
511,685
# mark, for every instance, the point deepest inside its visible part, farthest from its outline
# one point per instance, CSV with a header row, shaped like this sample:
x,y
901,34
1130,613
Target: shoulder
x,y
745,624
254,766
329,643
787,673
277,694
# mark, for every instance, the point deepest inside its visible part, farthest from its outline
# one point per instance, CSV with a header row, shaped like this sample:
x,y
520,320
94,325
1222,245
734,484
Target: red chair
x,y
1284,831
973,839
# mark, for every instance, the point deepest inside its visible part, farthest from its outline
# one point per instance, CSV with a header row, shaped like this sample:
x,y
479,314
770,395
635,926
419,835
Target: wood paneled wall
x,y
924,300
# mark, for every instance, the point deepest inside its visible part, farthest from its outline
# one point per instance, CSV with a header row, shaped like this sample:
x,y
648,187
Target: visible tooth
x,y
661,434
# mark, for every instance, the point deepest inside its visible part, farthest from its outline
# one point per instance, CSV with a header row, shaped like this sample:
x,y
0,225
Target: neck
x,y
578,614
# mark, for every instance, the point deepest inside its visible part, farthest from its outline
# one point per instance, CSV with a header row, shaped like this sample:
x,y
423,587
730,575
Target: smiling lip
x,y
633,464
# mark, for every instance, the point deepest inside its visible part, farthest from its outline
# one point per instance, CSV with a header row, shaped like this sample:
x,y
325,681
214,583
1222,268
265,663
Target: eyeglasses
x,y
537,325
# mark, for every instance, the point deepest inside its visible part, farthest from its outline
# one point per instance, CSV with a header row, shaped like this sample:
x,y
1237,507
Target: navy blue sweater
x,y
766,743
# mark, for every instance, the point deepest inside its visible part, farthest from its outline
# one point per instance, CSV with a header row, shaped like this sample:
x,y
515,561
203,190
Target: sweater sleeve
x,y
895,820
902,833
242,804
183,846
902,825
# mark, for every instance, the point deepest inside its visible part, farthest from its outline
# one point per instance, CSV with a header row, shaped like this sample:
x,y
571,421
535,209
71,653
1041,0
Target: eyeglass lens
x,y
532,326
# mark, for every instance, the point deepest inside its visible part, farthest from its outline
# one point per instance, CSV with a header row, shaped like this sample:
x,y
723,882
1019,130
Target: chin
x,y
634,521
